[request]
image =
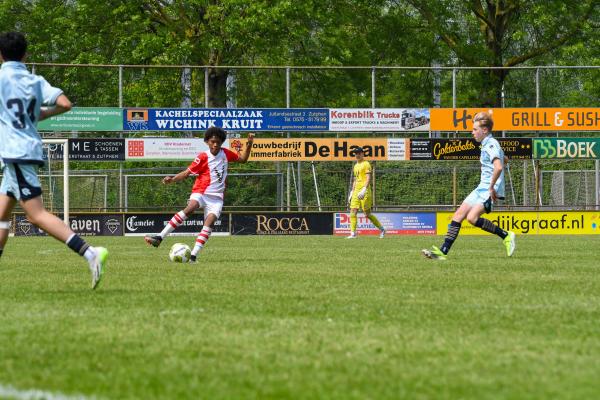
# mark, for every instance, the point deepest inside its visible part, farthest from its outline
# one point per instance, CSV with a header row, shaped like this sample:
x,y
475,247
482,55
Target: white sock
x,y
175,222
90,253
201,240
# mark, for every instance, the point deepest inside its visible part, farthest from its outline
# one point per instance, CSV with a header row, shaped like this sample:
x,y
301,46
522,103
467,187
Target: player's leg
x,y
8,187
28,192
366,204
212,210
353,222
7,203
175,222
459,215
475,219
55,227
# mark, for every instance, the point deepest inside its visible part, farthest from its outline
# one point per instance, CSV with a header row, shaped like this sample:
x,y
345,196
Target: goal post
x,y
65,158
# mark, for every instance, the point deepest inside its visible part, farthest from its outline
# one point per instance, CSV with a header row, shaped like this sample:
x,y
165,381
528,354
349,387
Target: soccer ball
x,y
180,252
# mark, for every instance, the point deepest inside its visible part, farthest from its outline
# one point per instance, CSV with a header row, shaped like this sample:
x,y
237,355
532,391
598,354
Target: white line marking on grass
x,y
10,392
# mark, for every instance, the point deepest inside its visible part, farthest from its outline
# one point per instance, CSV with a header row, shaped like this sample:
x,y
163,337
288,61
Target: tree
x,y
505,33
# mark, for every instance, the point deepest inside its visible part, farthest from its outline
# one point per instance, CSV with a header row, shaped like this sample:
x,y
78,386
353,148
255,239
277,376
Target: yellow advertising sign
x,y
518,119
532,223
333,149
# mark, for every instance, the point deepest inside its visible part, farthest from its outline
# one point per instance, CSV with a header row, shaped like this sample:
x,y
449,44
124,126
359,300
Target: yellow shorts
x,y
365,204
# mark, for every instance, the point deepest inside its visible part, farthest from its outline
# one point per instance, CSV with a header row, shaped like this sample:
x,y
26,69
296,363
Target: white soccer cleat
x,y
382,233
352,236
97,265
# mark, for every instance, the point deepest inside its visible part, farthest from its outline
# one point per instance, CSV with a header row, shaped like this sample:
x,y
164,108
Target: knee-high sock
x,y
453,230
79,246
201,239
375,221
353,222
175,222
490,227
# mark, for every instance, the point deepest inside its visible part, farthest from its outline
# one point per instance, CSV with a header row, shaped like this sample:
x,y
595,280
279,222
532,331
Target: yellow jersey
x,y
361,169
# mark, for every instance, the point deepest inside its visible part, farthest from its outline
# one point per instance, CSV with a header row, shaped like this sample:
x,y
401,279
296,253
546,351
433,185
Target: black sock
x,y
451,236
1,250
490,227
77,244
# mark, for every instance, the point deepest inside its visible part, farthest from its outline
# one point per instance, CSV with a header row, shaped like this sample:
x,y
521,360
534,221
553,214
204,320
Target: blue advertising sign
x,y
230,119
394,224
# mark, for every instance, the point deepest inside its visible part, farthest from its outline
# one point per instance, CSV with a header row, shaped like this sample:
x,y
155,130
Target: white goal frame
x,y
65,143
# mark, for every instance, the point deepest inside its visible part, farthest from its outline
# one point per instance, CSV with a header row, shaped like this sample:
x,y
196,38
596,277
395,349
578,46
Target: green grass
x,y
305,317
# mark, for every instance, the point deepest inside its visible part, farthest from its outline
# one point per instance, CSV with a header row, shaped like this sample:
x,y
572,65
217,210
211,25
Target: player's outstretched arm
x,y
179,177
246,153
63,104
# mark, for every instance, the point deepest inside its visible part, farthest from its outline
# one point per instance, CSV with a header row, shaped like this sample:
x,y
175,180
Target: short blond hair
x,y
485,120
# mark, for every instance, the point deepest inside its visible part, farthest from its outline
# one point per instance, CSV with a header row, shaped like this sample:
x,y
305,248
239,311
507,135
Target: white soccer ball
x,y
180,252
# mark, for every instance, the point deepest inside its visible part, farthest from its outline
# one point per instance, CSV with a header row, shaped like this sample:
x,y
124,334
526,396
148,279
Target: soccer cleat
x,y
97,265
193,259
381,233
434,254
153,240
352,236
510,243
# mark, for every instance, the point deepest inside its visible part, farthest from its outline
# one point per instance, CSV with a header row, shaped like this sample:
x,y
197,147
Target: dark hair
x,y
13,46
215,131
359,149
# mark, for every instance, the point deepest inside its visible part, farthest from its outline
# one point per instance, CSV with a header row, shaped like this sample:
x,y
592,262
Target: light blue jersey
x,y
21,96
490,150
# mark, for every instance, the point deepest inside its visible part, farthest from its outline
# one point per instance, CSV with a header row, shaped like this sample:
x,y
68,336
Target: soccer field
x,y
303,317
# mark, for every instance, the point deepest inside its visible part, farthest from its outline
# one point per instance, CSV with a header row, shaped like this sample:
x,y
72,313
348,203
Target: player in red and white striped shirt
x,y
209,188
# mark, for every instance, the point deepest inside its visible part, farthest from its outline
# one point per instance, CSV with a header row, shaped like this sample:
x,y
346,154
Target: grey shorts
x,y
20,181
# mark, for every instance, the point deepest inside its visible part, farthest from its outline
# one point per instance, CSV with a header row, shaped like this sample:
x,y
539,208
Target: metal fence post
x,y
373,92
120,137
289,165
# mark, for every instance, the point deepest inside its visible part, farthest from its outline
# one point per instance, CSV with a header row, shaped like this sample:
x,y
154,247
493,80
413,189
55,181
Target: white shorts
x,y
212,204
480,196
477,196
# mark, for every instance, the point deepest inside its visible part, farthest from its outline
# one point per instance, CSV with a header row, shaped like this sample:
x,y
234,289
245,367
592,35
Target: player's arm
x,y
63,104
246,152
495,175
177,178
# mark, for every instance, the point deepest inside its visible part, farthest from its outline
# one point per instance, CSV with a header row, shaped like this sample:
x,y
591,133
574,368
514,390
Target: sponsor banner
x,y
88,150
394,224
466,149
519,119
532,223
282,224
567,148
334,149
230,119
378,119
84,224
82,119
139,224
168,149
25,228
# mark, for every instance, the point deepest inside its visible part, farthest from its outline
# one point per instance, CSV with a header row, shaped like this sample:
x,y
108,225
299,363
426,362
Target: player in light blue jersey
x,y
21,96
481,200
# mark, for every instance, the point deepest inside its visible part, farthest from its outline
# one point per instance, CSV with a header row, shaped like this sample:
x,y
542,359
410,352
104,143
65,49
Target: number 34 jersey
x,y
21,96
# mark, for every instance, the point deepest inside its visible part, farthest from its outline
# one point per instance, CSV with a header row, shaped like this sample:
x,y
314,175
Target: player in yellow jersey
x,y
361,196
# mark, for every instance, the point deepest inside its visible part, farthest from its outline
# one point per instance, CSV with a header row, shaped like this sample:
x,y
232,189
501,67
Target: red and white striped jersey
x,y
211,171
